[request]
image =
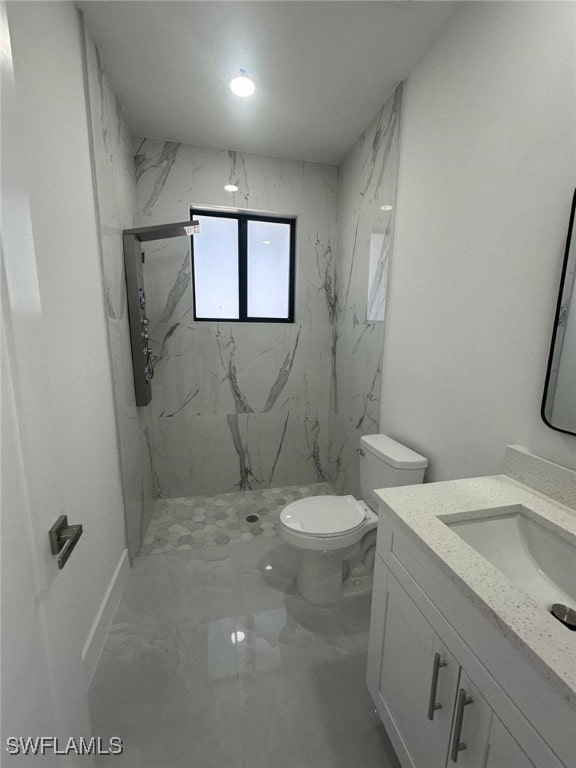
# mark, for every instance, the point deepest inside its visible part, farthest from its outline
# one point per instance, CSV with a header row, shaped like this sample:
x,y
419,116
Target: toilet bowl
x,y
336,535
327,531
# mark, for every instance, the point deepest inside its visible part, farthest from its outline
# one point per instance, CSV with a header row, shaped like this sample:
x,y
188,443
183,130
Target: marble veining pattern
x,y
366,199
383,136
163,164
115,188
208,521
237,406
247,406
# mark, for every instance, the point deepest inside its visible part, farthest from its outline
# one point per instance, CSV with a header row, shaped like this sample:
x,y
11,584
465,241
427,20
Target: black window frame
x,y
243,219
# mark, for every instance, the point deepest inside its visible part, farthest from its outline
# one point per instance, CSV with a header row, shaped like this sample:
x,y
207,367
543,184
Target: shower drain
x,y
252,519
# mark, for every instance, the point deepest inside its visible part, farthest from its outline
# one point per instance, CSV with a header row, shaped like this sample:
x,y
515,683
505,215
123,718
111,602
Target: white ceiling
x,y
322,69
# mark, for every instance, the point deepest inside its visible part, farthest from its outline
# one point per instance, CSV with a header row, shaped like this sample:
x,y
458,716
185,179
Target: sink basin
x,y
538,559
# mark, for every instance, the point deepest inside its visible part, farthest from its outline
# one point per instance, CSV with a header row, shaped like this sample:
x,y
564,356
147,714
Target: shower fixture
x,y
139,333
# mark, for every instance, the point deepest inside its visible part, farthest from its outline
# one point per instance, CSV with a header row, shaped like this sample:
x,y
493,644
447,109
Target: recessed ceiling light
x,y
242,85
385,207
231,188
266,242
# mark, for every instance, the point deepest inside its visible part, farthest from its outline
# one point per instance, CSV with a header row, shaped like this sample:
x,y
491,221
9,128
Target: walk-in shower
x,y
139,335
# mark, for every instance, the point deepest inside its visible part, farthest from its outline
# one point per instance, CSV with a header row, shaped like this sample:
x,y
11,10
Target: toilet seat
x,y
323,516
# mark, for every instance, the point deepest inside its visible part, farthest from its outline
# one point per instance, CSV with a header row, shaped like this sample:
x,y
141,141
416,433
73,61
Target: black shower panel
x,y
139,333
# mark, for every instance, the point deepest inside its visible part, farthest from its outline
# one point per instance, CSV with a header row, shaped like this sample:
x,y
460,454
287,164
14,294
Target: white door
x,y
43,690
503,751
472,716
418,681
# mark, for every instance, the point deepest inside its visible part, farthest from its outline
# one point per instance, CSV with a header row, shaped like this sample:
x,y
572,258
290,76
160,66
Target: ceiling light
x,y
237,637
231,188
266,242
385,207
242,85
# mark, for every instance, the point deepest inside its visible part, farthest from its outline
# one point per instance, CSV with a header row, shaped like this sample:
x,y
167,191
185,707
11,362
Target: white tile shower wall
x,y
237,406
113,148
366,202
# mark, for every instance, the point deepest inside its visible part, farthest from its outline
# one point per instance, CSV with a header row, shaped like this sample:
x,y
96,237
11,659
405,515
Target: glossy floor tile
x,y
228,518
214,660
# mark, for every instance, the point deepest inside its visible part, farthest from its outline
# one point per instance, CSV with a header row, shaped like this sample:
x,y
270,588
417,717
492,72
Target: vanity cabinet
x,y
418,679
439,713
440,706
503,751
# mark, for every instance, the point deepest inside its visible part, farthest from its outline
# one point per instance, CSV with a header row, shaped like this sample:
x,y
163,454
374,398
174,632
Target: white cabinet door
x,y
419,679
471,726
503,751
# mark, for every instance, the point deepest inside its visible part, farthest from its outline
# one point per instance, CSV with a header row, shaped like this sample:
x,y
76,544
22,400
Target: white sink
x,y
540,560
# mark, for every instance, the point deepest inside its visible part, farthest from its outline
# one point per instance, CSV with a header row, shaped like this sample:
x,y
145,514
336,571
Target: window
x,y
243,267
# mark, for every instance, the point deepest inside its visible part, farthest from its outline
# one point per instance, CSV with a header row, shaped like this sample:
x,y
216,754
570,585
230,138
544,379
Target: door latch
x,y
63,539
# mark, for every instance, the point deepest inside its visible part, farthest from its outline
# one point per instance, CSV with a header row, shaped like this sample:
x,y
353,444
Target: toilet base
x,y
320,576
356,586
336,567
329,578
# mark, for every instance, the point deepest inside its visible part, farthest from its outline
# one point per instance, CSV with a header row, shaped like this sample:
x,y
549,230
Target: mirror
x,y
559,401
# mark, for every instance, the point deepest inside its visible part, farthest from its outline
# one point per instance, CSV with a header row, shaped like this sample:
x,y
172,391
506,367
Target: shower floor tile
x,y
214,660
207,521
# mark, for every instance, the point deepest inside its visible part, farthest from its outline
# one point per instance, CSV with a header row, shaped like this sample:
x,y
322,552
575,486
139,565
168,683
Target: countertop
x,y
529,625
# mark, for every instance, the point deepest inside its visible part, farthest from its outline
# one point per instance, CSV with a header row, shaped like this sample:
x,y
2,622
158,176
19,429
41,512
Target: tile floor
x,y
199,521
215,661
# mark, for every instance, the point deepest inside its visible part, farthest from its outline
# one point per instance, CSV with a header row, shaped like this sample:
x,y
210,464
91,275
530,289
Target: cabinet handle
x,y
437,666
457,745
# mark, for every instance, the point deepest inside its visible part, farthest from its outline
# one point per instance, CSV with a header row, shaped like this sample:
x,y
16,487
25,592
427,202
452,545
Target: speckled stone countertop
x,y
421,509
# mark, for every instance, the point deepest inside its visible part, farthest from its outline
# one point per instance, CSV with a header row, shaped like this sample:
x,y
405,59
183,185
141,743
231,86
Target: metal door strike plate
x,y
63,539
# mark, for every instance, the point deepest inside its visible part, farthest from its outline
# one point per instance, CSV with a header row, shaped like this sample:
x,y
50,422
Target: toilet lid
x,y
323,515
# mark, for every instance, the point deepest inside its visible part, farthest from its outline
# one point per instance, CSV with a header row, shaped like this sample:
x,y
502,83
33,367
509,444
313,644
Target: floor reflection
x,y
214,660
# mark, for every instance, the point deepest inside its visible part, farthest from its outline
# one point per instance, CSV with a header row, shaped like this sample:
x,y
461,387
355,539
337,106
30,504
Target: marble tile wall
x,y
366,199
113,145
237,406
247,406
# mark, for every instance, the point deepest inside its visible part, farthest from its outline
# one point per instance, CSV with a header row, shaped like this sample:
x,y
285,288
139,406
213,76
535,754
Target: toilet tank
x,y
384,463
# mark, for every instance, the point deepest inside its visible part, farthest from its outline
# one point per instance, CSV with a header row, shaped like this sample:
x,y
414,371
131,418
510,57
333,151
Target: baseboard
x,y
103,620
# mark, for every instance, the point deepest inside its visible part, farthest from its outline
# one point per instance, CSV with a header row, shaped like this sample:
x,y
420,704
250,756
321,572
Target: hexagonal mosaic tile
x,y
228,518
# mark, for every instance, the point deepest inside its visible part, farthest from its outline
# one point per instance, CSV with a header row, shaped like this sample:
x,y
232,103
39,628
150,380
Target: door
x,y
472,716
503,749
43,691
419,679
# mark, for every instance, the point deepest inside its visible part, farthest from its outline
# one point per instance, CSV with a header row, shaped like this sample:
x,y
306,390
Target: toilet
x,y
336,535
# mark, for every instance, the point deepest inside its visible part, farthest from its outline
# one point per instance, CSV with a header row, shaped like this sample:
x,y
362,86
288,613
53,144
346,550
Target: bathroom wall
x,y
487,168
237,406
115,187
367,183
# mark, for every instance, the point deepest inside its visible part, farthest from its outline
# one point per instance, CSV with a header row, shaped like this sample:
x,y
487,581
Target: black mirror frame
x,y
556,319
